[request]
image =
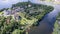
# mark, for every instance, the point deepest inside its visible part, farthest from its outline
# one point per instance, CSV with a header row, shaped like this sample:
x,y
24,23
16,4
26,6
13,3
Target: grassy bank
x,y
57,25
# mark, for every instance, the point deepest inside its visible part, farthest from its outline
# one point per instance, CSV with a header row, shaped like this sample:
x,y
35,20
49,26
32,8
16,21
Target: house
x,y
16,16
7,12
18,9
14,8
29,5
13,11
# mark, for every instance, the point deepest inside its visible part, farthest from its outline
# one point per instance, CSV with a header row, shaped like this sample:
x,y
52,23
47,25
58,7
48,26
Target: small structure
x,y
17,17
22,8
13,11
7,12
18,9
29,5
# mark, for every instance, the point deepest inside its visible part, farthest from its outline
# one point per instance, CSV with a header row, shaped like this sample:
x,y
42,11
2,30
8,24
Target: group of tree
x,y
10,26
13,27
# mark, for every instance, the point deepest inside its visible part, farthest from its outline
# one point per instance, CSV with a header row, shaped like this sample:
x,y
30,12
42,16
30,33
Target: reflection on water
x,y
47,24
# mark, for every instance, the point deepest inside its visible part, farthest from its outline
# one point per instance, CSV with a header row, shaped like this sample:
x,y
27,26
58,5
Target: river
x,y
46,26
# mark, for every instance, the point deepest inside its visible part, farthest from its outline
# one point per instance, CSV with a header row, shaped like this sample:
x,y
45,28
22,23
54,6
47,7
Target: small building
x,y
29,5
17,17
13,11
7,12
18,9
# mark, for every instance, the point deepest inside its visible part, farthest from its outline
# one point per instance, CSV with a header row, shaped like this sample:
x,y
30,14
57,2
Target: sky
x,y
8,3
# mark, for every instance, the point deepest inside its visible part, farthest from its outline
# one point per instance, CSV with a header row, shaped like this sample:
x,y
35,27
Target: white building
x,y
7,12
29,5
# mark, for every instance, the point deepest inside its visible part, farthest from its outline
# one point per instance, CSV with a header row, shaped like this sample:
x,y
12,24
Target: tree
x,y
16,31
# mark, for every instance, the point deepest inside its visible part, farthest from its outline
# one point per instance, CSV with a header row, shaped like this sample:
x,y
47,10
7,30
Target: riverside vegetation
x,y
29,16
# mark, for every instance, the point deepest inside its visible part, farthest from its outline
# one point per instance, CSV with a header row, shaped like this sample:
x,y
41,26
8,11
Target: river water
x,y
46,26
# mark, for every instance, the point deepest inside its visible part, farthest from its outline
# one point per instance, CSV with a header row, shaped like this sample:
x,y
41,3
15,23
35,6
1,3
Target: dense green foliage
x,y
8,28
36,11
57,25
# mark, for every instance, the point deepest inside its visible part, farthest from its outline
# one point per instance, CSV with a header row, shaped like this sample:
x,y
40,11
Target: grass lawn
x,y
1,13
56,29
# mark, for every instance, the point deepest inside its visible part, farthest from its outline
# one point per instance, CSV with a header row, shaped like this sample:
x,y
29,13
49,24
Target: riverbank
x,y
27,15
56,28
57,25
49,19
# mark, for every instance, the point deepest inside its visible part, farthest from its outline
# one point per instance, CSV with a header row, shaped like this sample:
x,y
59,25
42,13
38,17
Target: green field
x,y
56,28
